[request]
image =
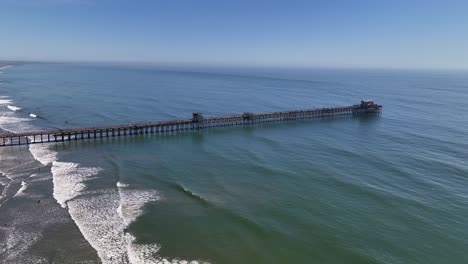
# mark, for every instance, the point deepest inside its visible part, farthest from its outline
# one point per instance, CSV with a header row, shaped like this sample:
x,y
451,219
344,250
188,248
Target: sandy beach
x,y
34,228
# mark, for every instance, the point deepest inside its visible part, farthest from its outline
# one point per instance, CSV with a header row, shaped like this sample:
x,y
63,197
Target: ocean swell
x,y
103,215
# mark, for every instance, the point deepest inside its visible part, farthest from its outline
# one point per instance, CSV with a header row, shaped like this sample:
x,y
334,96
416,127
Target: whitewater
x,y
330,191
102,216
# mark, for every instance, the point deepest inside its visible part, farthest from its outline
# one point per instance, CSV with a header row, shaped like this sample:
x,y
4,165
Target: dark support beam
x,y
198,122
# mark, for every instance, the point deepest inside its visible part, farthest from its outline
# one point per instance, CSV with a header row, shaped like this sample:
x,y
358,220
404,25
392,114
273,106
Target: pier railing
x,y
197,122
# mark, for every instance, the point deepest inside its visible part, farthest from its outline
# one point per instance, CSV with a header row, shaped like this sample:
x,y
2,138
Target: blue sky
x,y
284,33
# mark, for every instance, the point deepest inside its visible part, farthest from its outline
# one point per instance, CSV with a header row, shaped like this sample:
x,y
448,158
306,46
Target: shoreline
x,y
31,220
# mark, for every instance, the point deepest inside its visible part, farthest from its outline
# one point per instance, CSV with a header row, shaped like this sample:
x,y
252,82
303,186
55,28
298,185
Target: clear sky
x,y
286,33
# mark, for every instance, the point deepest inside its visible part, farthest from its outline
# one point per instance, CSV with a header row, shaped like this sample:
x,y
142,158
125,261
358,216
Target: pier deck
x,y
197,122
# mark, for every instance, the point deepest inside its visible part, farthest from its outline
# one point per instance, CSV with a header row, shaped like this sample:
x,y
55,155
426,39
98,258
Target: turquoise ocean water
x,y
386,189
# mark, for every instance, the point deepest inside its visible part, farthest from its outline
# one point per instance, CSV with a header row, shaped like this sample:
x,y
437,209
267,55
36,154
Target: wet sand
x,y
34,228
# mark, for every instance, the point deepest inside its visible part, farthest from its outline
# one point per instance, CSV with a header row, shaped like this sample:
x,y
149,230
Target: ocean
x,y
369,189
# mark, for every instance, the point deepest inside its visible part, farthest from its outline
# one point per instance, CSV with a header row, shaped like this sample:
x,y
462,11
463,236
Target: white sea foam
x,y
7,176
99,220
13,108
17,242
32,115
68,178
102,216
5,182
8,120
11,120
140,253
43,154
20,192
95,213
103,228
122,185
4,179
3,198
148,254
22,229
5,100
100,224
132,202
5,67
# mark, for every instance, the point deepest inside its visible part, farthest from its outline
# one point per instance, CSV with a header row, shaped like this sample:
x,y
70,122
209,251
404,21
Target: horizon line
x,y
230,66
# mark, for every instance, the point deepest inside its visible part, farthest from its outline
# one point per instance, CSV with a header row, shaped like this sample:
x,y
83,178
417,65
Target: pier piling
x,y
197,122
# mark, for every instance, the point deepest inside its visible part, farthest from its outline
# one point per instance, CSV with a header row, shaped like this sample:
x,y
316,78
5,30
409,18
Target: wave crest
x,y
14,108
68,178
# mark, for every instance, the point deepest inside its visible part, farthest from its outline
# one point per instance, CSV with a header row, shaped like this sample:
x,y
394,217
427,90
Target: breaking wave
x,y
122,185
24,186
103,215
191,194
4,100
6,120
69,180
5,67
13,108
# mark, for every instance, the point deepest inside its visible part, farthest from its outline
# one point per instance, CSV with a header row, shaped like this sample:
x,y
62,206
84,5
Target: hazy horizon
x,y
284,34
200,67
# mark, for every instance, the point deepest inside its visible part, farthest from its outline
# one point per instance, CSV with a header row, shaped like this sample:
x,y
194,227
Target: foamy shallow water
x,y
24,186
102,215
9,120
337,191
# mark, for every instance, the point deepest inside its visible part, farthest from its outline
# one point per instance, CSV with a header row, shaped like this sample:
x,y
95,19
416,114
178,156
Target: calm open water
x,y
386,189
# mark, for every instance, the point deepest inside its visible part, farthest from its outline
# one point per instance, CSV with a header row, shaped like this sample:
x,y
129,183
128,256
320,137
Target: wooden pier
x,y
197,122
